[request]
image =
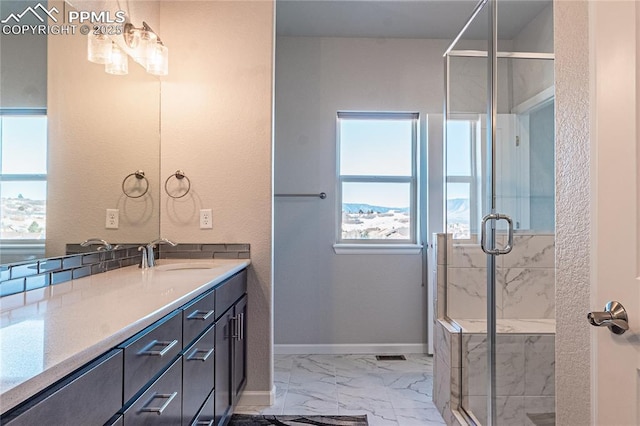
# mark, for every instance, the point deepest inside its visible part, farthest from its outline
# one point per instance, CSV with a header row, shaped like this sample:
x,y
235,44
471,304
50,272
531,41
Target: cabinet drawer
x,y
160,404
205,416
147,353
230,291
197,374
91,395
197,316
116,420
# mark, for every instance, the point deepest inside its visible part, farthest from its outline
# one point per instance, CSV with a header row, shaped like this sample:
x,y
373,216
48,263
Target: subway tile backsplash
x,y
36,274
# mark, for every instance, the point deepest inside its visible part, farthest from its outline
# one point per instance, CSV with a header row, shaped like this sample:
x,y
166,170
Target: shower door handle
x,y
492,250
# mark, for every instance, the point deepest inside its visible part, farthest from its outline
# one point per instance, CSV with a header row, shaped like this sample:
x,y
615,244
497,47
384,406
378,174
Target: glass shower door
x,y
499,157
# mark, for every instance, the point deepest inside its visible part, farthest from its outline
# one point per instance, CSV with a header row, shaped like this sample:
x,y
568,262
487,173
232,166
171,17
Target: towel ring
x,y
179,174
139,174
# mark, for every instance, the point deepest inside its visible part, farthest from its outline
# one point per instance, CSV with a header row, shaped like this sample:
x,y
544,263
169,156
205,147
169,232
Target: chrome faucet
x,y
144,262
151,260
104,245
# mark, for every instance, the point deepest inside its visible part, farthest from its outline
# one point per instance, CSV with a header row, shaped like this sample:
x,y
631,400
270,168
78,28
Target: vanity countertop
x,y
48,333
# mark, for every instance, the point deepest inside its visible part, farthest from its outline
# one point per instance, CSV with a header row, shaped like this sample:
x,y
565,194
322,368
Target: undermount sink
x,y
186,266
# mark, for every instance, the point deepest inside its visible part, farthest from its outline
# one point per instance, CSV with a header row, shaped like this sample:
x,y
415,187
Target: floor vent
x,y
390,358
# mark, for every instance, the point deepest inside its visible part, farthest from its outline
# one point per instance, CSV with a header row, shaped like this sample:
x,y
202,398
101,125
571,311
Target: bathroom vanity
x,y
161,346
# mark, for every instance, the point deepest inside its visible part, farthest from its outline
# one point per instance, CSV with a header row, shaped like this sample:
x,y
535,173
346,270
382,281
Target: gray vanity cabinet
x,y
239,350
198,375
161,403
117,420
231,299
206,415
224,326
149,352
187,368
91,396
197,316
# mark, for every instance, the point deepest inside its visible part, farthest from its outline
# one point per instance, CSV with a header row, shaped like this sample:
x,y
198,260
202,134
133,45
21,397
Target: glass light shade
x,y
141,42
119,64
158,60
99,48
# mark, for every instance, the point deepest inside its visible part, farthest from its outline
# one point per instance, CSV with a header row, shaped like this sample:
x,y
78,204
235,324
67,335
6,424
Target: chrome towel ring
x,y
139,175
180,176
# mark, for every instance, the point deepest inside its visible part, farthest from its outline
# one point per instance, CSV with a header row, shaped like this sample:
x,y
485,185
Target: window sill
x,y
377,248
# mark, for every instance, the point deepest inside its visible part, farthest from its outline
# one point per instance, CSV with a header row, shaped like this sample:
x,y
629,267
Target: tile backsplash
x,y
80,262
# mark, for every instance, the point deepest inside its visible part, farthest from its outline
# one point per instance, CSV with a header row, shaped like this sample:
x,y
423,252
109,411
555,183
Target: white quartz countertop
x,y
48,333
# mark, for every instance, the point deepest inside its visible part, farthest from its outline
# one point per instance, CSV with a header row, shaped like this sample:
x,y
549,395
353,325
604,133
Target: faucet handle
x,y
105,245
161,241
144,263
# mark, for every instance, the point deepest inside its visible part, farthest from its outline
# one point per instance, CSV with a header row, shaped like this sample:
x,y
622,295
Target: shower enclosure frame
x,y
488,238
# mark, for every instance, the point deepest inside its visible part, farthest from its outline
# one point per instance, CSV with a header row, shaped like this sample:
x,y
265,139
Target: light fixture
x,y
99,48
142,44
139,40
119,64
149,51
158,59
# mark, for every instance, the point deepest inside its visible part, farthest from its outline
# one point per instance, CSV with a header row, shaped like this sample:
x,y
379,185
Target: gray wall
x,y
320,297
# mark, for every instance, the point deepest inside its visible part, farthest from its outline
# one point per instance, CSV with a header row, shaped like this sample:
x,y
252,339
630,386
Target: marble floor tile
x,y
310,401
426,416
377,417
390,393
410,390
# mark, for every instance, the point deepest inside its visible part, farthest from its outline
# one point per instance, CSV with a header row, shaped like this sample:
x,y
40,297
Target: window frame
x,y
14,243
408,243
475,193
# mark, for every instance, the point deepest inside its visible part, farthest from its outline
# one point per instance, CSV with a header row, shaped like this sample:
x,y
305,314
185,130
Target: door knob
x,y
614,316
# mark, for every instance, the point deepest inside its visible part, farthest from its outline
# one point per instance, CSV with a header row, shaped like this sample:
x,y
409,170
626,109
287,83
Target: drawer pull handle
x,y
241,331
207,354
200,315
167,347
158,410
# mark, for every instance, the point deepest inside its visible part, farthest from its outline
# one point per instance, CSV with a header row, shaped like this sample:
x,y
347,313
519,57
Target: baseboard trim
x,y
344,349
260,398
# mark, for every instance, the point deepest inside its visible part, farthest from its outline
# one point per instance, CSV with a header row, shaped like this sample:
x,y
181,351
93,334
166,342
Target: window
x,y
23,174
377,177
462,177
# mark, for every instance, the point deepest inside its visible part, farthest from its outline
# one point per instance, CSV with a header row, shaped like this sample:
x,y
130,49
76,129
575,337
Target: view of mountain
x,y
365,208
458,210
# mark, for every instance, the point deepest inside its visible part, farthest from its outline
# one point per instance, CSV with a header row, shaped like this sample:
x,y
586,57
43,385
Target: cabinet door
x,y
239,373
230,291
224,330
89,396
197,375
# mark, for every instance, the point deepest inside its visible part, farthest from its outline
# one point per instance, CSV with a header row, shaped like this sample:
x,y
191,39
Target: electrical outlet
x,y
113,219
206,219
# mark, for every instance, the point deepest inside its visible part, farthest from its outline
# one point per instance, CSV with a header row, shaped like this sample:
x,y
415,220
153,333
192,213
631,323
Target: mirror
x,y
102,128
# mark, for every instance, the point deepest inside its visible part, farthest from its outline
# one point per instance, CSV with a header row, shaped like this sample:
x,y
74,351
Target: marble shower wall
x,y
525,376
525,279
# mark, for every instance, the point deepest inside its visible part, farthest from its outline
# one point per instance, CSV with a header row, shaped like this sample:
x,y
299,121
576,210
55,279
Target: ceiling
x,y
439,19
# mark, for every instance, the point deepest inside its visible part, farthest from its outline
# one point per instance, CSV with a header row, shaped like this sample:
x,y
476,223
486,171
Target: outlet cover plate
x,y
206,219
113,219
